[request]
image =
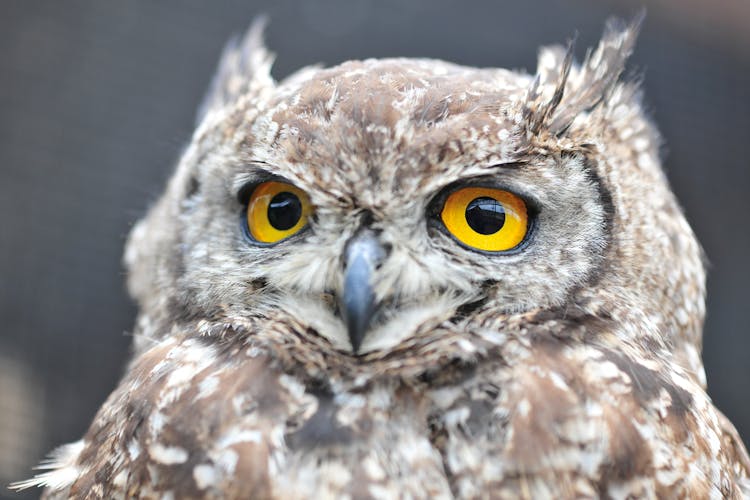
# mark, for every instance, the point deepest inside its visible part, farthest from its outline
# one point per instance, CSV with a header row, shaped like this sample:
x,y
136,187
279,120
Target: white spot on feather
x,y
121,479
373,469
558,381
458,416
236,436
207,387
227,460
524,407
291,384
157,421
134,449
167,455
204,475
608,369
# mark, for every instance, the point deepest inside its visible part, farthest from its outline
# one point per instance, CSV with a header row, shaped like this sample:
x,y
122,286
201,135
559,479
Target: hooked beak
x,y
364,254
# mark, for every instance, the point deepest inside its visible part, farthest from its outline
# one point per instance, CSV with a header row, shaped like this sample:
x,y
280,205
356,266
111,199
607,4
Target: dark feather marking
x,y
322,429
548,109
192,187
480,416
439,438
647,383
606,202
630,455
466,310
456,371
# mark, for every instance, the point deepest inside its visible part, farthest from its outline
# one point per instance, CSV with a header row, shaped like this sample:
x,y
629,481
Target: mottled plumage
x,y
569,368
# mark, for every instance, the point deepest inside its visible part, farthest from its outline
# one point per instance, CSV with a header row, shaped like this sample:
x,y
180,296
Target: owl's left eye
x,y
486,219
276,210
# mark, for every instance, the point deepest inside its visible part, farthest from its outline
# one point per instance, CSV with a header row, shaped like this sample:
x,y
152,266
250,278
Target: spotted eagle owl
x,y
405,278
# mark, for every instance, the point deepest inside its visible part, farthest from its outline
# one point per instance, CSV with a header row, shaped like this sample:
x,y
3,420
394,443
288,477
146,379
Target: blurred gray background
x,y
97,99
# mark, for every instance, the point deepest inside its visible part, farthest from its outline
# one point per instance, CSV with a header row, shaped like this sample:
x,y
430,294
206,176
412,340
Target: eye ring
x,y
275,211
486,219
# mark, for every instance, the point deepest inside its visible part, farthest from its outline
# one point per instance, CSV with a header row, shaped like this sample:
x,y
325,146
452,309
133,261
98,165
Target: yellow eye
x,y
487,219
276,210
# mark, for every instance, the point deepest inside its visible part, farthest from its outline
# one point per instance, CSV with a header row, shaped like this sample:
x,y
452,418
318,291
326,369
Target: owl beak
x,y
364,254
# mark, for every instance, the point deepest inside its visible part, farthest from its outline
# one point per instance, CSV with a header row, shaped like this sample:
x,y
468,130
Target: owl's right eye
x,y
276,210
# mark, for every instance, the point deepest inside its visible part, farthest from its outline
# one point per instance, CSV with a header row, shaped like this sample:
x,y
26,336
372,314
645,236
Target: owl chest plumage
x,y
193,419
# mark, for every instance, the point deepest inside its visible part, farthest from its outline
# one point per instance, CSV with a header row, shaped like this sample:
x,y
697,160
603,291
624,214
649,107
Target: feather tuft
x,y
244,67
62,468
562,90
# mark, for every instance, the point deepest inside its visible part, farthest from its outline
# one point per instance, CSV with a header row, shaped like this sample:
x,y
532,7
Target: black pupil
x,y
284,211
485,215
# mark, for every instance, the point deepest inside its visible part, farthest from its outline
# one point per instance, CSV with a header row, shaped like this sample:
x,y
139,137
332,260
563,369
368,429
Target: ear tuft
x,y
562,90
244,68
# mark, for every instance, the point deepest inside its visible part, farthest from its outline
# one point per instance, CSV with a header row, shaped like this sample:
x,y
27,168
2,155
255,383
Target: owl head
x,y
414,211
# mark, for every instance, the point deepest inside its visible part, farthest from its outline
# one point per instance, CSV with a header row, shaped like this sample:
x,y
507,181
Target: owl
x,y
405,278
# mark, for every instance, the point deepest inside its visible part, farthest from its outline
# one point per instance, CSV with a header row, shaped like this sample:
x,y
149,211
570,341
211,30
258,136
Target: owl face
x,y
374,200
383,204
